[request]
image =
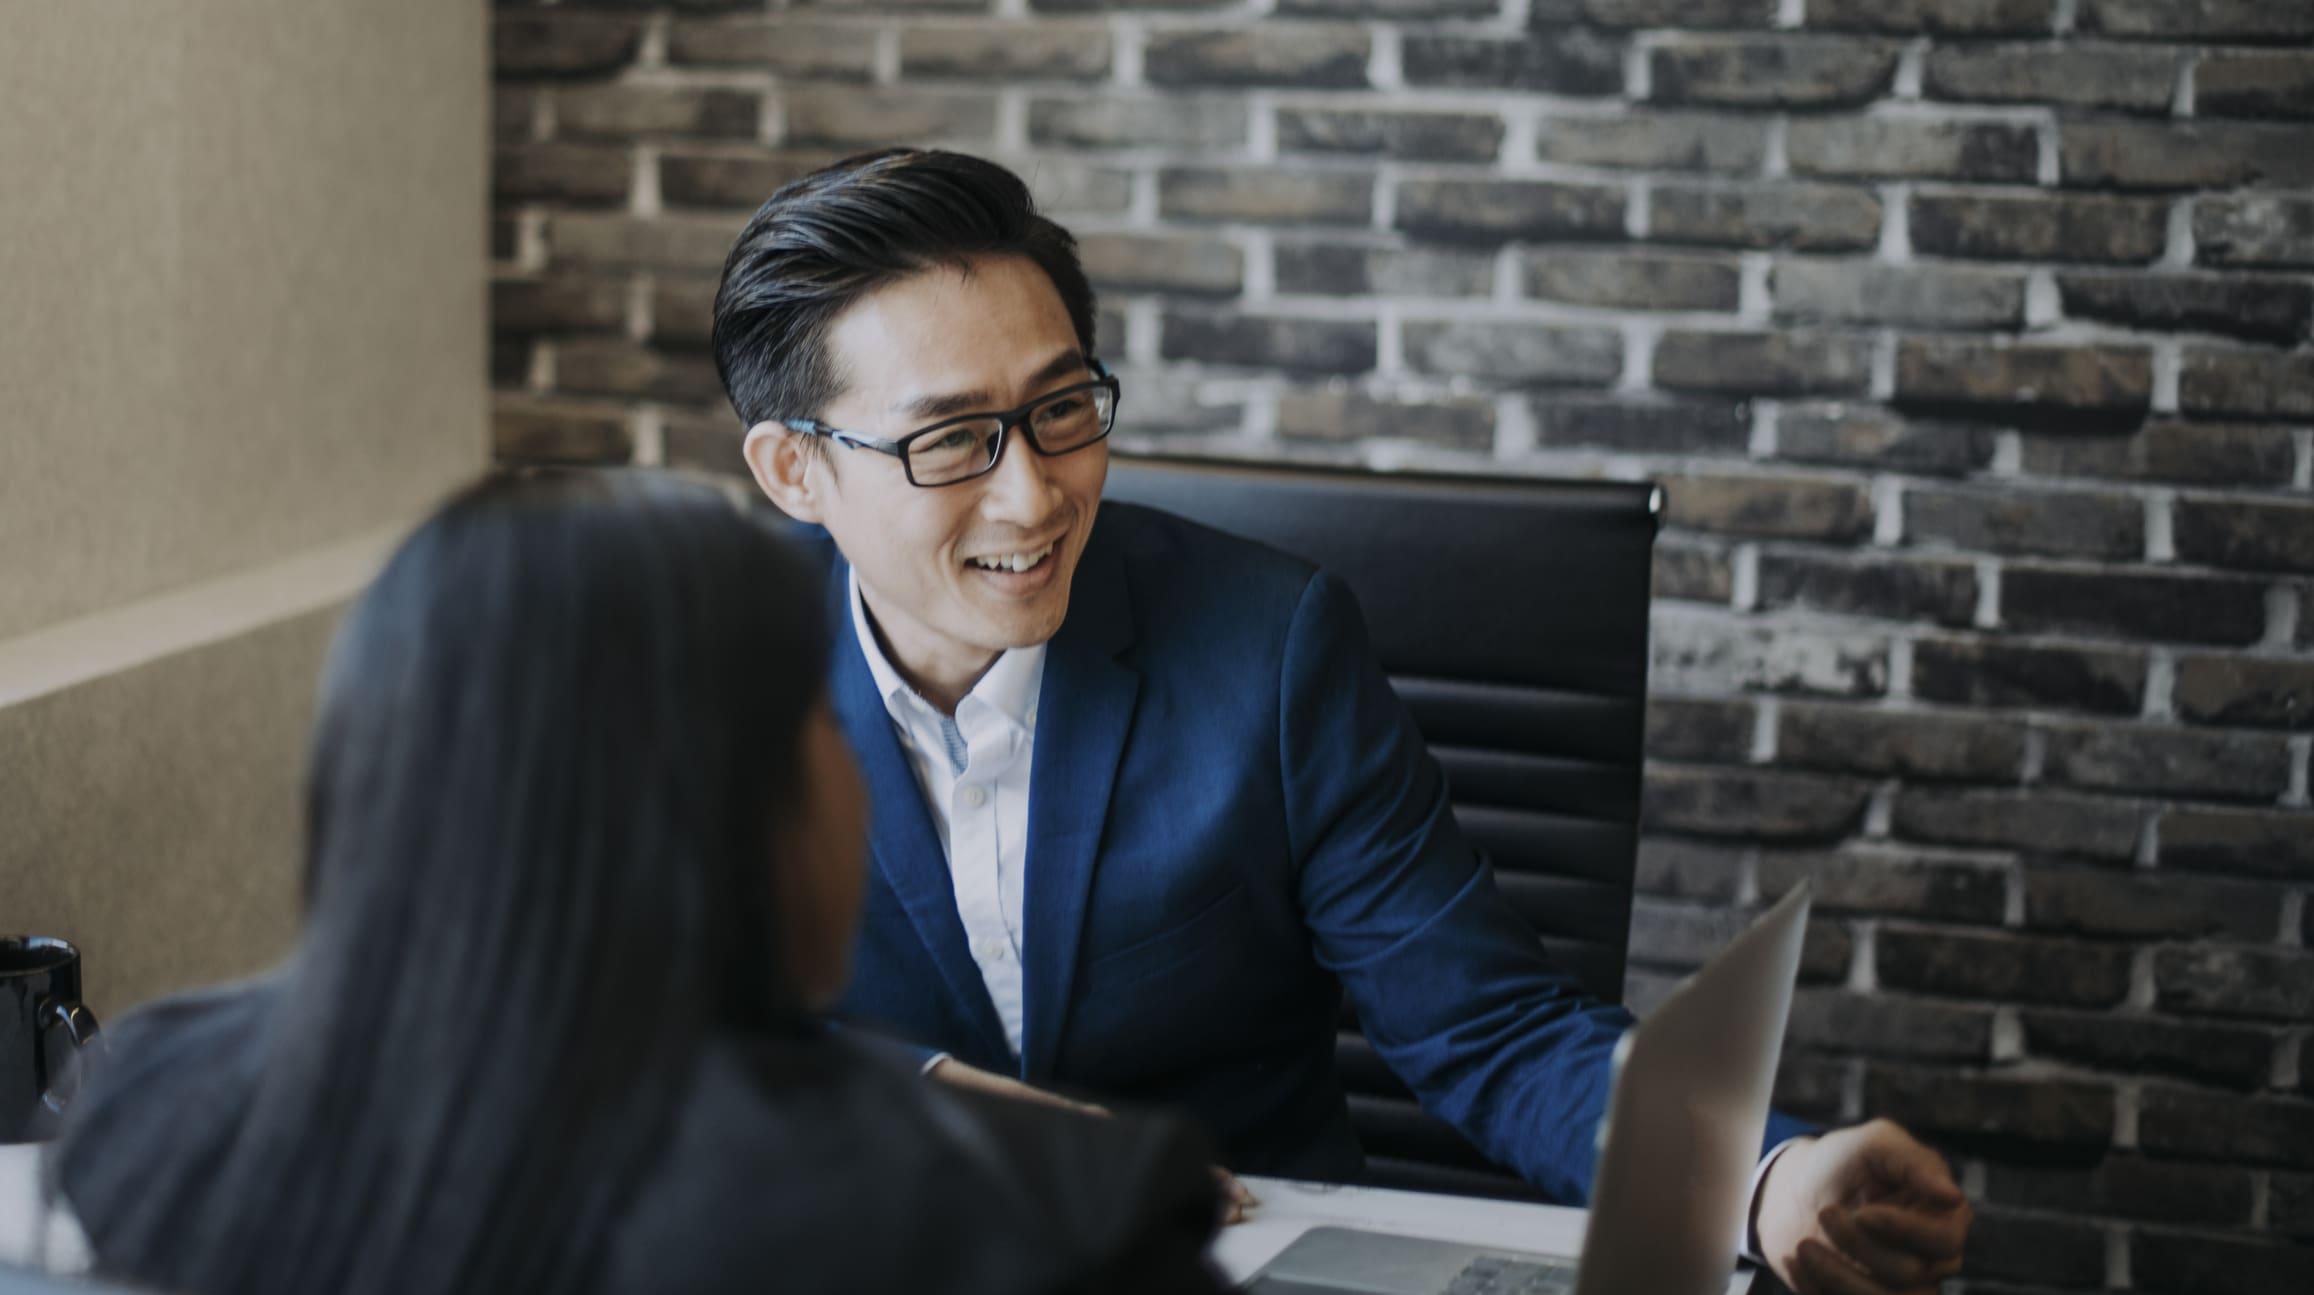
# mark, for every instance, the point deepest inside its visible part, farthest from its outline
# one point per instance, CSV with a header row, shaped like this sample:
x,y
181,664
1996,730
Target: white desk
x,y
1289,1208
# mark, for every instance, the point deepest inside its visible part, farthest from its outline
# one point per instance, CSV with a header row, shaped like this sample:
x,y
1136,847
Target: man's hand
x,y
1235,1199
1863,1211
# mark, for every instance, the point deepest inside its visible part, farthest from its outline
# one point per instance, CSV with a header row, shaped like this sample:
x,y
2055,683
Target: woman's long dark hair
x,y
552,741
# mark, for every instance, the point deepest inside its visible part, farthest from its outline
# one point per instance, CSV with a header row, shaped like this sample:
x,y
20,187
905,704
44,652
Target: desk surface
x,y
1290,1208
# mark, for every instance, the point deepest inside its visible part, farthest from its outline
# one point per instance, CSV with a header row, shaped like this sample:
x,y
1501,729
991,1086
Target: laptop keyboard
x,y
1488,1275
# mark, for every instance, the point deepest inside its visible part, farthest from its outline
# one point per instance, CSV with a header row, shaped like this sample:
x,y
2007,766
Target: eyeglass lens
x,y
1069,420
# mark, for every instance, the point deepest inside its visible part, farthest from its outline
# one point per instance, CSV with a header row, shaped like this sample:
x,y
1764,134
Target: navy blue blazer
x,y
1232,821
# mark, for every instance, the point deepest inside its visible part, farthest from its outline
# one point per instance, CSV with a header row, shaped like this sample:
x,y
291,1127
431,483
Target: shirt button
x,y
975,797
994,951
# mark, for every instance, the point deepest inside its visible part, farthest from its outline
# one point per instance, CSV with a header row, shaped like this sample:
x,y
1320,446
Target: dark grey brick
x,y
2261,84
2242,20
1714,730
741,180
1868,436
1690,14
2130,903
1334,269
1897,589
1495,211
577,174
1907,744
2123,1185
1356,417
511,111
2254,229
558,304
682,313
616,367
1922,296
1878,879
1569,61
2184,453
1634,280
1883,1025
2039,227
2028,820
627,111
2063,523
1066,187
2013,1108
1776,507
1406,9
1671,868
1692,572
1936,17
1811,1086
783,46
1204,124
2163,760
2290,1205
2277,843
2235,1056
1696,654
1103,6
2066,380
1631,427
2258,308
2251,534
1684,936
2255,384
2254,692
542,433
2183,155
1656,141
604,241
1771,71
1278,54
2041,1252
1270,196
2223,1126
1165,404
1760,804
846,116
1986,672
563,44
2175,1261
1007,51
1200,266
1306,345
711,445
1417,136
1912,148
2132,604
1513,352
2116,77
1785,363
1815,218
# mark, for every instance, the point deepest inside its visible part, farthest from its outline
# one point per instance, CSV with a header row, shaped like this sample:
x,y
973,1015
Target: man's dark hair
x,y
824,241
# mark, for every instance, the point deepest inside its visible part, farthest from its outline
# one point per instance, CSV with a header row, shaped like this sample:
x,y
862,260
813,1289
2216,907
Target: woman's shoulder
x,y
835,1169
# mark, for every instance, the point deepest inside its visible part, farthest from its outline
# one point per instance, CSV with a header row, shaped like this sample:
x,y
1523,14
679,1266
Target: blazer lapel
x,y
1084,712
900,835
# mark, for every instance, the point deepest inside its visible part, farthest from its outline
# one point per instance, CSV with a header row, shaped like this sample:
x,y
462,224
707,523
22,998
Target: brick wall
x,y
1971,338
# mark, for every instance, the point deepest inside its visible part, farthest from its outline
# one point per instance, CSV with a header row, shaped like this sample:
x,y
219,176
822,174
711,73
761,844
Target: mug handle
x,y
79,1025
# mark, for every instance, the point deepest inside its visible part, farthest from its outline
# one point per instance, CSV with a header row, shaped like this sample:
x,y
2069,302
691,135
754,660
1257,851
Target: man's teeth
x,y
1015,562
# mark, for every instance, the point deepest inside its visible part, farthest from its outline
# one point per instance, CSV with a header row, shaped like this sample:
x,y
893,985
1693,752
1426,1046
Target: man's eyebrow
x,y
950,404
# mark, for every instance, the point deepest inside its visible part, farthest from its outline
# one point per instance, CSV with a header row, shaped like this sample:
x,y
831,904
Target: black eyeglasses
x,y
961,448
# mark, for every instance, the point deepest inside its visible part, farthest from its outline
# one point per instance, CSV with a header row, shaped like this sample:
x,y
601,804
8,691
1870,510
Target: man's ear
x,y
784,464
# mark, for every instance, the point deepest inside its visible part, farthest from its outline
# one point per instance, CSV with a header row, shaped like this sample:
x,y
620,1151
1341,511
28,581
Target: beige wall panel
x,y
153,817
241,284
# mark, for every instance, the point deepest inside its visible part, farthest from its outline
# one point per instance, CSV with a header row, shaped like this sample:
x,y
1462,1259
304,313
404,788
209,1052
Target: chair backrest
x,y
1511,616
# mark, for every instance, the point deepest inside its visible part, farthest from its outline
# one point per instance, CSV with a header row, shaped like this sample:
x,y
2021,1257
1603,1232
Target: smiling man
x,y
1145,807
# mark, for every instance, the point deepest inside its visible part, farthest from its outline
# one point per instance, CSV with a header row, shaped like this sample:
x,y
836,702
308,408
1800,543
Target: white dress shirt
x,y
974,770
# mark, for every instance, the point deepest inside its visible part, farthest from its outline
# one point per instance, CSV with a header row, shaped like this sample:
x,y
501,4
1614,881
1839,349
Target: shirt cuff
x,y
938,1057
1748,1244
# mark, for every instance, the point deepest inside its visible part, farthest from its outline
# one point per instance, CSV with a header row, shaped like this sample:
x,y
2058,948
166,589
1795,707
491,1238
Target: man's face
x,y
930,347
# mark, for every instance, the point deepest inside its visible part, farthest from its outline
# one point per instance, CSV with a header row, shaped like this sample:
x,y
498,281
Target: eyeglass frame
x,y
1006,421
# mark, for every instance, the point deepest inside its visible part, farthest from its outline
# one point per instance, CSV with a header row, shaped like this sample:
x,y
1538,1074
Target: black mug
x,y
42,1026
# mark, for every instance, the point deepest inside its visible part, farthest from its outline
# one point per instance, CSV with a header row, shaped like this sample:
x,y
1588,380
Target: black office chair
x,y
1511,616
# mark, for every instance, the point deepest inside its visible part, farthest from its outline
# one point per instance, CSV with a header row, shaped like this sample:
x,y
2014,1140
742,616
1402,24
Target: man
x,y
1145,805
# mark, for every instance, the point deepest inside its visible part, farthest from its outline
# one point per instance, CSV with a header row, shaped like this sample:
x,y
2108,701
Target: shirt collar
x,y
1009,688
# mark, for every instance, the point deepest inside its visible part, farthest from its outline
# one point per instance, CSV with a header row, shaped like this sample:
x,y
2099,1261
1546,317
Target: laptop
x,y
1684,1123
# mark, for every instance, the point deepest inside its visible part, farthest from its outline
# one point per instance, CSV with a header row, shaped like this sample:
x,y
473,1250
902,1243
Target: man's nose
x,y
1017,489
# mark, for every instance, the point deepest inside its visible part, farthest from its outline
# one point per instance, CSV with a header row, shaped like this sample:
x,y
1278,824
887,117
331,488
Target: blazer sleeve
x,y
1451,985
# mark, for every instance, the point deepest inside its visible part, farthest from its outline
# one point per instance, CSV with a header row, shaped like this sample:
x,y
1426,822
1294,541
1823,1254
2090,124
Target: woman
x,y
584,853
